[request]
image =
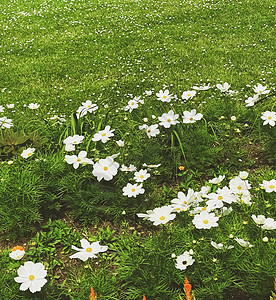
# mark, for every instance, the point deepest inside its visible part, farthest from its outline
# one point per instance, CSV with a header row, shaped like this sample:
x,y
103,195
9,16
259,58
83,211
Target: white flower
x,y
233,118
243,175
28,152
132,104
164,96
205,220
89,106
132,190
260,89
33,106
69,147
168,119
185,201
17,253
269,186
5,122
120,143
88,250
77,160
260,219
151,131
184,260
74,140
2,108
269,224
223,88
223,194
250,101
131,168
191,117
269,117
217,180
31,276
161,215
148,93
10,105
151,165
243,243
105,169
103,135
202,87
188,95
220,246
141,175
239,186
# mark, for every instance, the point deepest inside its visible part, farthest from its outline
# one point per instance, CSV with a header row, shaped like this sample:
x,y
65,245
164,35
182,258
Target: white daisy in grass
x,y
223,87
161,215
184,260
141,175
239,186
186,201
269,185
103,135
205,220
5,122
33,106
132,190
221,246
243,243
130,168
89,106
105,169
269,224
168,119
74,140
199,209
269,117
28,152
151,165
2,108
131,105
120,143
31,276
191,116
88,250
151,131
250,101
223,194
188,95
202,87
77,160
217,180
259,220
243,175
164,96
177,207
260,89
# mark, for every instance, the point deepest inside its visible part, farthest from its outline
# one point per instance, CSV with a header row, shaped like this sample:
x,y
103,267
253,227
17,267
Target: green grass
x,y
61,53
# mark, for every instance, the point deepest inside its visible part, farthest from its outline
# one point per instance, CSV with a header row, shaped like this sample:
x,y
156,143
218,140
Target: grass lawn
x,y
173,103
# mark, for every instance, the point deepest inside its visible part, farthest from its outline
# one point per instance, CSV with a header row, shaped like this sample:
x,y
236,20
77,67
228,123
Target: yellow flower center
x,y
191,119
74,142
162,218
89,249
260,92
269,118
220,197
148,130
189,95
132,103
239,187
104,134
105,168
272,186
30,153
178,208
133,190
185,202
78,160
31,277
164,97
88,106
205,221
142,176
169,120
204,208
